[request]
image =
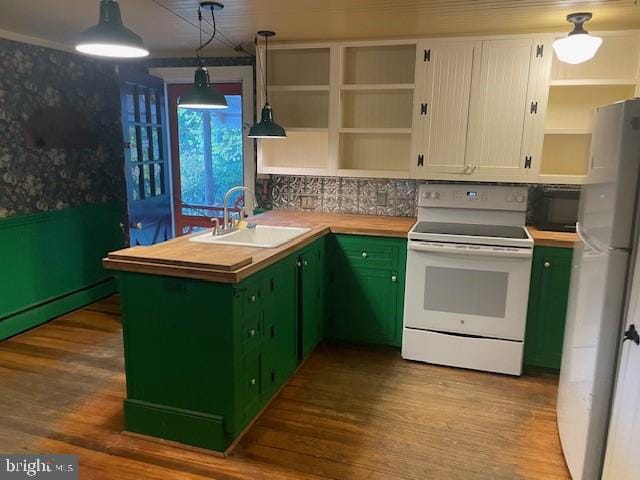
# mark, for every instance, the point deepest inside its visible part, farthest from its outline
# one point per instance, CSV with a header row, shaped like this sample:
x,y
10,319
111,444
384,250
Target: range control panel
x,y
486,197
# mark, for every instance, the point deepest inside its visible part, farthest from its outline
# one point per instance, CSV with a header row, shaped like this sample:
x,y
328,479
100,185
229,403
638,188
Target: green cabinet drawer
x,y
548,297
367,252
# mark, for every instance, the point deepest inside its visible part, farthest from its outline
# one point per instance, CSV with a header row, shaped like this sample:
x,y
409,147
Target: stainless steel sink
x,y
262,236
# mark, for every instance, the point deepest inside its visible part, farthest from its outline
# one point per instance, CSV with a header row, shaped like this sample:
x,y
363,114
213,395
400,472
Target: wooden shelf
x,y
567,131
298,88
377,130
378,86
593,82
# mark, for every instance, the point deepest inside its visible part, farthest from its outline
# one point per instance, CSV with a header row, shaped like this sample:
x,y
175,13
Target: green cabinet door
x,y
280,345
312,295
366,289
365,308
548,295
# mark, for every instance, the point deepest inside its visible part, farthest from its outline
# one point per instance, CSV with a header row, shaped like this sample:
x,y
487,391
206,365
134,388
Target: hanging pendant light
x,y
203,94
110,38
578,46
266,127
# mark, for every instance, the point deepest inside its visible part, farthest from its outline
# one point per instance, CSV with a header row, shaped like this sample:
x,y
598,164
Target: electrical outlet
x,y
308,202
381,199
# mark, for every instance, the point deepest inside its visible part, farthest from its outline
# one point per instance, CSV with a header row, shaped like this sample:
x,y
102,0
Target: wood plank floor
x,y
349,413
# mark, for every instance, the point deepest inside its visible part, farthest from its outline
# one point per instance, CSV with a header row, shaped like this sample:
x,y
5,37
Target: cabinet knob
x,y
305,263
547,264
252,381
394,278
252,333
253,299
365,254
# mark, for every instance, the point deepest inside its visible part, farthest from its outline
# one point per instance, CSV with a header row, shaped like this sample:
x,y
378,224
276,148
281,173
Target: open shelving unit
x,y
575,91
299,93
377,84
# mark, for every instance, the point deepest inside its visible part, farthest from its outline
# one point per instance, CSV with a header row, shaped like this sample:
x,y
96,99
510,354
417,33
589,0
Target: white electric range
x,y
468,269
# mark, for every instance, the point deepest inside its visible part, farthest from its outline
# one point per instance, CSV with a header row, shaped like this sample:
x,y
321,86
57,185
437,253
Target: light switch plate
x,y
381,199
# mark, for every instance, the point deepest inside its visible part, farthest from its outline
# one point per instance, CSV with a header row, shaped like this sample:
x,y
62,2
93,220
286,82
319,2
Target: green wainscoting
x,y
51,263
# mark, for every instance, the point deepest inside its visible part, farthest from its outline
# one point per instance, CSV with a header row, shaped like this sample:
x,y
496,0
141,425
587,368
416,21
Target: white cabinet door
x,y
442,111
501,143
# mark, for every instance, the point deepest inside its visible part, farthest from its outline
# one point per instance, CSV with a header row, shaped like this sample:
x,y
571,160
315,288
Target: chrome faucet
x,y
225,219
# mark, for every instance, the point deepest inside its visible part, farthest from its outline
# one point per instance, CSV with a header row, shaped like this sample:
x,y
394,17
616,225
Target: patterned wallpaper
x,y
346,195
34,80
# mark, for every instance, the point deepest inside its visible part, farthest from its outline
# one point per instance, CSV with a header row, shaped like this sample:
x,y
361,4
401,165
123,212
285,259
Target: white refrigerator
x,y
600,285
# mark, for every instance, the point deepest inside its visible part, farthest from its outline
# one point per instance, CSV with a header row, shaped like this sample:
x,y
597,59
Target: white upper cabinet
x,y
300,93
488,109
507,110
441,112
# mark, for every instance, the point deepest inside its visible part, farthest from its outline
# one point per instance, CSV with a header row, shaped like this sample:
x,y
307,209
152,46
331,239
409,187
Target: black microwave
x,y
556,208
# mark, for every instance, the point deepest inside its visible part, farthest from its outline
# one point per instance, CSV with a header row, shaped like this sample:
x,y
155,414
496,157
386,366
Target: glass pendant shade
x,y
267,127
202,95
110,38
578,46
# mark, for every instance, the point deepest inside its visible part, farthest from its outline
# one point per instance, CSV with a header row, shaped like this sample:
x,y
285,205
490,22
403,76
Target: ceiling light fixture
x,y
110,38
578,46
203,94
266,127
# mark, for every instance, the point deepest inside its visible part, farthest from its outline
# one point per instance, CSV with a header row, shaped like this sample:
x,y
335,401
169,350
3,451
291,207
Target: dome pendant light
x,y
110,38
266,127
578,46
203,94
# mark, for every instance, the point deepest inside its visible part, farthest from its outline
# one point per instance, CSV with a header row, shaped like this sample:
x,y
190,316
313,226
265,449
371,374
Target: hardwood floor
x,y
348,413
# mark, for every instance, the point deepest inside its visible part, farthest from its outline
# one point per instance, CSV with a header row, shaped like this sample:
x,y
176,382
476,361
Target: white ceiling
x,y
167,35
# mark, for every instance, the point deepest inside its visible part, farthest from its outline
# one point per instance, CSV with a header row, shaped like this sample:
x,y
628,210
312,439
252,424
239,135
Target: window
x,y
208,157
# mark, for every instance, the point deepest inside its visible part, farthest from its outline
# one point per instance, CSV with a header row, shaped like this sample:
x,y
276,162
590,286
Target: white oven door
x,y
468,289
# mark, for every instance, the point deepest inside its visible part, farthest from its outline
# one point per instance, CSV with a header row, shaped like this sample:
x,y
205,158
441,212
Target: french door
x,y
146,165
208,157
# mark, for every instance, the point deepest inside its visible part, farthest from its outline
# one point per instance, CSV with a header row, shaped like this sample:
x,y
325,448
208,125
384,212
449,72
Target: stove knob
x,y
509,197
426,194
436,195
520,198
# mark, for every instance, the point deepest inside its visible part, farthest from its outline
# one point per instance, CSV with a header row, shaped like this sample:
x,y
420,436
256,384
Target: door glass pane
x,y
211,155
130,107
153,113
155,144
145,144
142,98
466,291
133,146
135,182
147,180
157,172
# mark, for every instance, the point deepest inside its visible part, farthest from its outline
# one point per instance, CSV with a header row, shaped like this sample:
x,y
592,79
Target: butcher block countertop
x,y
544,238
230,264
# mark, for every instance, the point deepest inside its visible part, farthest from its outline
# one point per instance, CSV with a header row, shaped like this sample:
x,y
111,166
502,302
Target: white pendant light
x,y
578,46
110,38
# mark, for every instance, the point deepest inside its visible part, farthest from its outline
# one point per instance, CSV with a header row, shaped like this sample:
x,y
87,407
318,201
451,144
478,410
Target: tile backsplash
x,y
343,195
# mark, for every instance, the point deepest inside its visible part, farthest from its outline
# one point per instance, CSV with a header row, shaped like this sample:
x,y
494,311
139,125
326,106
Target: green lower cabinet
x,y
366,288
311,284
548,296
201,358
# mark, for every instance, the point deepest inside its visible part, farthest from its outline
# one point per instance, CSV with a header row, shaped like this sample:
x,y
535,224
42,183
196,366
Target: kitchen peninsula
x,y
211,332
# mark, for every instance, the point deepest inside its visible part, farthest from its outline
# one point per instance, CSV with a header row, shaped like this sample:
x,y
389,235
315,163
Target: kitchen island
x,y
212,332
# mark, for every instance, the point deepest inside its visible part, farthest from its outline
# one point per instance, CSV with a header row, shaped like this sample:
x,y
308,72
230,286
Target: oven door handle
x,y
481,251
